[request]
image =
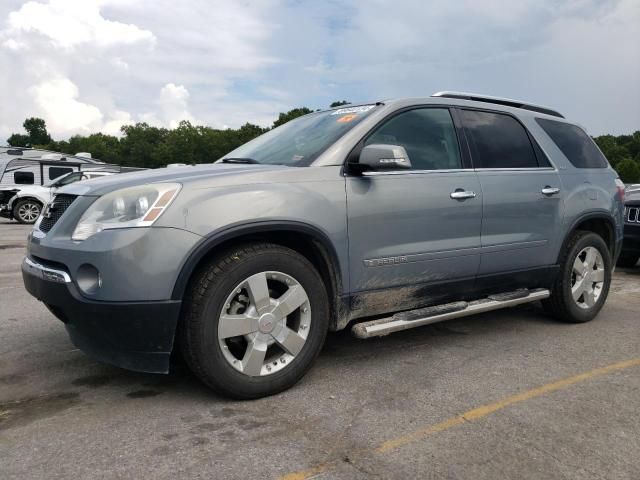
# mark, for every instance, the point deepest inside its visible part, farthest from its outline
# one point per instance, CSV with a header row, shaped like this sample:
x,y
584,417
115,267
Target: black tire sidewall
x,y
216,369
580,315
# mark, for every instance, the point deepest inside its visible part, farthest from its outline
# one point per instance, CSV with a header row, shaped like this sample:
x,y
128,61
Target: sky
x,y
93,65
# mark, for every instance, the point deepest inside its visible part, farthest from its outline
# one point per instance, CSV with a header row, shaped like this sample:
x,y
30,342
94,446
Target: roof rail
x,y
500,101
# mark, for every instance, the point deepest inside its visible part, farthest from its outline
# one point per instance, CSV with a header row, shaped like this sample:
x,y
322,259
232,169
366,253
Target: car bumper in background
x,y
631,243
133,335
5,212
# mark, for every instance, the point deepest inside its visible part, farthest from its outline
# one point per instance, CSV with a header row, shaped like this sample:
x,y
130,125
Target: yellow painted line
x,y
474,414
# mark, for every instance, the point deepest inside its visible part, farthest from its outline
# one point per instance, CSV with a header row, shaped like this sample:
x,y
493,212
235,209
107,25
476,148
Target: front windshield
x,y
65,179
300,141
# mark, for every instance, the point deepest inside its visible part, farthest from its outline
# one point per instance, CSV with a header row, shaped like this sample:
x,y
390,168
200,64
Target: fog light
x,y
88,279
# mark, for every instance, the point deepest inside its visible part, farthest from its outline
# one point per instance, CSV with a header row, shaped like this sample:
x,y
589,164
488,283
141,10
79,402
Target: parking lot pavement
x,y
510,394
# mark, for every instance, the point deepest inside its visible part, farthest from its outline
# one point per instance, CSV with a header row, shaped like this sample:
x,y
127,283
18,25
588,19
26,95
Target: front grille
x,y
632,214
55,210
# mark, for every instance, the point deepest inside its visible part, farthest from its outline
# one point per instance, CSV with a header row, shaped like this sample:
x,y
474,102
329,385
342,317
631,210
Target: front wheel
x,y
583,281
27,211
255,319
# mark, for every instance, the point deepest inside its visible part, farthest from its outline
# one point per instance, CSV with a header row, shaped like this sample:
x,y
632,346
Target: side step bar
x,y
448,311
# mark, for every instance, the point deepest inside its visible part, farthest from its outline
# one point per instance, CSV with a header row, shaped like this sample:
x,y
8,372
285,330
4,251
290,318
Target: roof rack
x,y
500,101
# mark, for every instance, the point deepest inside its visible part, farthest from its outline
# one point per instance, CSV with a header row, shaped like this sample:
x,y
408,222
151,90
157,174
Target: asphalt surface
x,y
538,402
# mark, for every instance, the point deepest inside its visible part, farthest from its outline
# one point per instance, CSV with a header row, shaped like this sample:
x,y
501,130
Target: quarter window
x,y
427,134
498,141
576,145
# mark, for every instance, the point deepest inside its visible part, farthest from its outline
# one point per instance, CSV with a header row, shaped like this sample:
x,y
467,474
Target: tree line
x,y
143,145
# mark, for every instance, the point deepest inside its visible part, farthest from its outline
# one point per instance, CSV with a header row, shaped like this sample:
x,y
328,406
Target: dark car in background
x,y
631,245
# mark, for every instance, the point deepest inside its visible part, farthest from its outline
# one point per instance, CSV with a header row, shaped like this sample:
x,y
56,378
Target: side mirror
x,y
378,157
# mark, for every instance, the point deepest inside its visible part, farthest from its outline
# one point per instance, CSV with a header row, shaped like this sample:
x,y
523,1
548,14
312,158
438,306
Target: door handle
x,y
462,194
550,190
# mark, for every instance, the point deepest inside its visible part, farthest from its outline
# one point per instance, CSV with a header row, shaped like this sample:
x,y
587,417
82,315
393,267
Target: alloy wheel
x,y
587,277
29,212
264,323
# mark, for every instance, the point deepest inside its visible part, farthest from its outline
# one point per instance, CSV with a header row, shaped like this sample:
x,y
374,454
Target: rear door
x,y
522,198
405,229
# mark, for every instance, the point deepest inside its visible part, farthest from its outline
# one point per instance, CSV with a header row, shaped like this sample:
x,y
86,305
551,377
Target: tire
x,y
224,287
27,211
561,304
628,260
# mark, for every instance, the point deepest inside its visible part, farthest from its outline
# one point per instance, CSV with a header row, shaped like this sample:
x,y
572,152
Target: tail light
x,y
620,188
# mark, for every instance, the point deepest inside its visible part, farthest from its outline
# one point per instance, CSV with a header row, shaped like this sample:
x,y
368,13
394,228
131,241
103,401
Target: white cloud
x,y
70,23
225,62
173,107
57,99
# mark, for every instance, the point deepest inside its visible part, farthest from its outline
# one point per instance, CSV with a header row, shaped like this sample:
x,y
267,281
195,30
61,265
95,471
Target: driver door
x,y
410,242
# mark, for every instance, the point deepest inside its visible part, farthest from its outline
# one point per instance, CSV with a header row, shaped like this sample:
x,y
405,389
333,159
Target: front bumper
x,y
133,335
5,211
631,242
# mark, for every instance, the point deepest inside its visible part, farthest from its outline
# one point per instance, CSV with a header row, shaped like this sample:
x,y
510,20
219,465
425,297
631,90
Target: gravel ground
x,y
63,415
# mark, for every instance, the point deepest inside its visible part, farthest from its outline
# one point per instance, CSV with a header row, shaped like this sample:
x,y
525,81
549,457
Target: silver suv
x,y
385,216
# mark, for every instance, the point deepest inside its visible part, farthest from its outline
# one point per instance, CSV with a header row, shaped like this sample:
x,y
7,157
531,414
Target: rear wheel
x,y
582,285
628,260
27,211
254,321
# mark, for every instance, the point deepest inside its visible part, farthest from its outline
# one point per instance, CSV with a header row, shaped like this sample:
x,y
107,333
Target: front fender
x,y
315,203
19,196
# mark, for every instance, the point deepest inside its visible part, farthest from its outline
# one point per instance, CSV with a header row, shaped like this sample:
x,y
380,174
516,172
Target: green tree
x,y
290,115
36,134
629,171
139,145
18,140
37,130
339,103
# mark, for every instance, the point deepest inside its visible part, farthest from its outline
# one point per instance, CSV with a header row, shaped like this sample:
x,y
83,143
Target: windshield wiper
x,y
239,160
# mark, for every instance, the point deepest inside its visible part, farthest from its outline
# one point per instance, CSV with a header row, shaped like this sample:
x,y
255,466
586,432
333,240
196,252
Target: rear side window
x,y
576,145
23,178
498,141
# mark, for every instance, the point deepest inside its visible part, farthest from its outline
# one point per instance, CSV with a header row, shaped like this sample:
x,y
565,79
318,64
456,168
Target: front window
x,y
427,134
299,142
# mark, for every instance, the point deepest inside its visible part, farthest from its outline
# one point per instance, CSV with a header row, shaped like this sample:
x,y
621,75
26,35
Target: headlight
x,y
126,208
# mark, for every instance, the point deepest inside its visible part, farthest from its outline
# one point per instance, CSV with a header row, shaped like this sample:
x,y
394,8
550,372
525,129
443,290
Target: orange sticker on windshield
x,y
346,118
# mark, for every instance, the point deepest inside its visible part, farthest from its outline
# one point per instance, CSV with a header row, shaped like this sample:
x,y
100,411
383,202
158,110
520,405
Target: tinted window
x,y
23,178
576,145
428,136
55,172
498,141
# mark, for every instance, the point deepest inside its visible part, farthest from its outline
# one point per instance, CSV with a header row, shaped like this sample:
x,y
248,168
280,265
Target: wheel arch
x,y
308,240
600,223
18,198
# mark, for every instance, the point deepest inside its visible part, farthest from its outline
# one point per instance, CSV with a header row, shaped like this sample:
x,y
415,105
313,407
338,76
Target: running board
x,y
448,311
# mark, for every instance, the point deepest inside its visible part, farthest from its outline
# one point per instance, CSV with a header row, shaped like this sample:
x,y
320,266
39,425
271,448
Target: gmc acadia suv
x,y
383,216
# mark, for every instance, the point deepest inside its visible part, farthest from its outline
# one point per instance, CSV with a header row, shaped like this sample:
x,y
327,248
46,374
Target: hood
x,y
30,189
632,198
204,174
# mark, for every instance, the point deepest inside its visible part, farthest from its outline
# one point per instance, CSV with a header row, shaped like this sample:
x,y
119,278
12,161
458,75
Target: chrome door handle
x,y
462,194
550,190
